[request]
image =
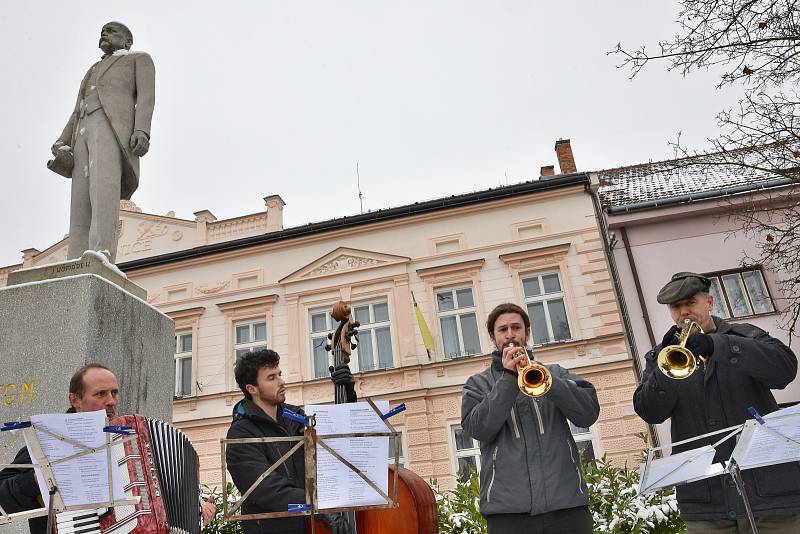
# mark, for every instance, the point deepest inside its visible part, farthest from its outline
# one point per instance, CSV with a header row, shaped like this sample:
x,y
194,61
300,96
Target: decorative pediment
x,y
342,260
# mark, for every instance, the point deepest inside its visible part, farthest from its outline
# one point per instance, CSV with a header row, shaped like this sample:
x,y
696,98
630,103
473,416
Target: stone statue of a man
x,y
107,133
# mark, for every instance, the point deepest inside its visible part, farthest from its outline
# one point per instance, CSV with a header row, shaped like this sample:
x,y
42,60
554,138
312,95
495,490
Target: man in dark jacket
x,y
259,415
742,364
93,387
530,467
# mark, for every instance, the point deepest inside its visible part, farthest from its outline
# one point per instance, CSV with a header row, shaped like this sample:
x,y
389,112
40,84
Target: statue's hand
x,y
56,146
140,143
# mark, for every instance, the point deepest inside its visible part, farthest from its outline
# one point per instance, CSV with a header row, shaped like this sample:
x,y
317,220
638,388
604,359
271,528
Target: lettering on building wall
x,y
17,394
144,245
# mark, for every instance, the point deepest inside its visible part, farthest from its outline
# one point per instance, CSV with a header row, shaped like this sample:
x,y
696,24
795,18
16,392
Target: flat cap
x,y
683,286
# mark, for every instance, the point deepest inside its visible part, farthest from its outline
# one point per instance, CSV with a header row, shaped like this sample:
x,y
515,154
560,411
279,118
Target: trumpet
x,y
676,361
533,379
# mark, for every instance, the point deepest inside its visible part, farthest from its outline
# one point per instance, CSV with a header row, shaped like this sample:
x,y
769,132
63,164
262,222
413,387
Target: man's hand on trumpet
x,y
513,357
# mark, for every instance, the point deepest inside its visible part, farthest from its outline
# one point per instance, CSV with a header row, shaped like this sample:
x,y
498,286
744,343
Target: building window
x,y
468,453
544,298
402,456
321,324
458,322
374,349
183,364
584,439
740,294
248,337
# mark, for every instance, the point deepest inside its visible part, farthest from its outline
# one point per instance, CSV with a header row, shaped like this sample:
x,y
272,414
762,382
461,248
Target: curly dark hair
x,y
506,307
246,371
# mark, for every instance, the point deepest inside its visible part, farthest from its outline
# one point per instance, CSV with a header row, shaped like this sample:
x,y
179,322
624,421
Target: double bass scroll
x,y
415,504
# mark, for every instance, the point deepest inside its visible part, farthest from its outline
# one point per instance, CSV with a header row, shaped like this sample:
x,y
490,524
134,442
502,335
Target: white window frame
x,y
474,452
589,436
544,298
319,337
457,312
179,359
724,301
251,345
370,330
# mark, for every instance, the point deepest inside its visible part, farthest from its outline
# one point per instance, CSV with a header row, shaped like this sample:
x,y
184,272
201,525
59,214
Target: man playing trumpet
x,y
736,366
531,478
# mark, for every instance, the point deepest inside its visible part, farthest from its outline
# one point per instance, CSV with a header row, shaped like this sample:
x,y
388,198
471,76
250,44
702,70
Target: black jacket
x,y
246,462
20,492
746,363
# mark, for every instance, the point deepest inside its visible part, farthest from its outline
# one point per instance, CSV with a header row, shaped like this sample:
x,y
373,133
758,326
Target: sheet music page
x,y
758,446
337,485
680,468
83,480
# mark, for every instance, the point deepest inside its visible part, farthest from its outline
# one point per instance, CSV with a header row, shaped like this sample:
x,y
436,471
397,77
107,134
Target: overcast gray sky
x,y
255,98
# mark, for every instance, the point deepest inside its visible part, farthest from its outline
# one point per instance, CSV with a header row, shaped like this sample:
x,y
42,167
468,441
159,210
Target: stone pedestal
x,y
90,262
51,328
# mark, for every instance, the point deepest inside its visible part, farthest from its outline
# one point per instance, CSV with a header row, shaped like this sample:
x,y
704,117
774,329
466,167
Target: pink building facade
x,y
662,219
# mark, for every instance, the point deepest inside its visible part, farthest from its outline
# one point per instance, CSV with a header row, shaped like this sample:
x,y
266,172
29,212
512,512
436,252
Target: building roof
x,y
408,210
691,178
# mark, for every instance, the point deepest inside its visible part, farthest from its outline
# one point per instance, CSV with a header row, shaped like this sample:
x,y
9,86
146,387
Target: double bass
x,y
416,504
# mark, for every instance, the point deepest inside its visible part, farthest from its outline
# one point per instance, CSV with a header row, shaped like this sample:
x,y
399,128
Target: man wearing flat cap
x,y
742,363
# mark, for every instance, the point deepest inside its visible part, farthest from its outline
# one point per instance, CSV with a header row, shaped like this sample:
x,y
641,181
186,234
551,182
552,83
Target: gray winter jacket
x,y
529,460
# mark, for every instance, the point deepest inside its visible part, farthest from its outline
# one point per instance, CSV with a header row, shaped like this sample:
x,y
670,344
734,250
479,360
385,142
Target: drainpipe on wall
x,y
624,234
591,189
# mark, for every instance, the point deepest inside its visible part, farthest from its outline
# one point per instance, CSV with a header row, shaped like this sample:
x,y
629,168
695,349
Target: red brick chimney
x,y
565,159
547,170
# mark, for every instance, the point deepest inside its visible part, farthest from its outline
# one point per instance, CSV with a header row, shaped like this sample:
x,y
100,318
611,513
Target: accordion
x,y
159,465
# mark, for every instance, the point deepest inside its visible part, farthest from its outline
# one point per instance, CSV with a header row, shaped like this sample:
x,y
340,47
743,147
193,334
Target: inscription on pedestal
x,y
86,264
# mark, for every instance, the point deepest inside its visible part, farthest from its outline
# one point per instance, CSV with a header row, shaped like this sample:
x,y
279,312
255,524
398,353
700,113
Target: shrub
x,y
458,509
617,508
217,525
615,505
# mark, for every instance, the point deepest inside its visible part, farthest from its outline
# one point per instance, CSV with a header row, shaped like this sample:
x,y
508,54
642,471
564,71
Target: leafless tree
x,y
755,44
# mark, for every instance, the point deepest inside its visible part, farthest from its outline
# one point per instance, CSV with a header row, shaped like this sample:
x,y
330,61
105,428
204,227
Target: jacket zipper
x,y
577,468
514,422
538,415
494,470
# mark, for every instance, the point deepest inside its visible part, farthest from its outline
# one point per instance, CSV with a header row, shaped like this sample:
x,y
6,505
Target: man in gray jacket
x,y
530,476
742,364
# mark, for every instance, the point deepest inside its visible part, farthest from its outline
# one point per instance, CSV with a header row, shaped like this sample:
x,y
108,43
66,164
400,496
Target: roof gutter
x,y
418,208
702,195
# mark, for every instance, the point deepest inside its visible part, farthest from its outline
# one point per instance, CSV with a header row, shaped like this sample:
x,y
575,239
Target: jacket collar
x,y
105,63
497,360
247,409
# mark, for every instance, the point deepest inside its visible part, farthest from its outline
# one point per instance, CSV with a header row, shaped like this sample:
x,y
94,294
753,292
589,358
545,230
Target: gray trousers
x,y
783,524
96,183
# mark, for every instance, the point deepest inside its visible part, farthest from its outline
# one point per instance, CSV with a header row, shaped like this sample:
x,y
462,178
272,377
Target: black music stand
x,y
309,442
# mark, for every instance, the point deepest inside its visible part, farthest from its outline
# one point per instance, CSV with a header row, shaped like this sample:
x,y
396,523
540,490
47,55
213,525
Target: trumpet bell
x,y
676,362
534,380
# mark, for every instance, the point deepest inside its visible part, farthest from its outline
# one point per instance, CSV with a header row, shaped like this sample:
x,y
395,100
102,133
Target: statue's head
x,y
115,36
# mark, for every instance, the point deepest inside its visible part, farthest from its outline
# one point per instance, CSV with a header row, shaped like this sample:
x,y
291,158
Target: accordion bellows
x,y
161,467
